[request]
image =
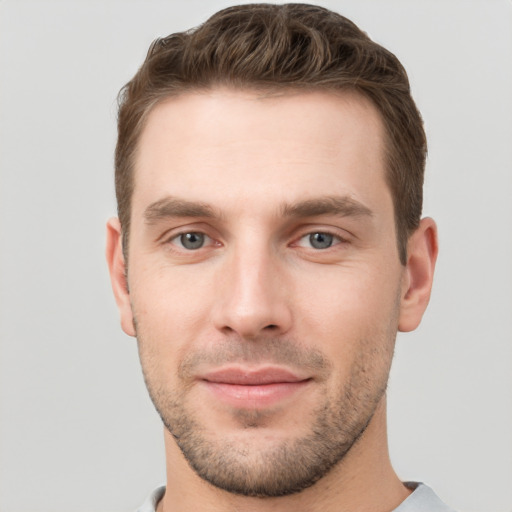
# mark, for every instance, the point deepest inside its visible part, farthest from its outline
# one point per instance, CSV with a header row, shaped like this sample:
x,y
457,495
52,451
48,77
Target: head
x,y
274,49
268,172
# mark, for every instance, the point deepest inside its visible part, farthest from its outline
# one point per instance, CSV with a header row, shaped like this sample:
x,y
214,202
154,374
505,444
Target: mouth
x,y
253,388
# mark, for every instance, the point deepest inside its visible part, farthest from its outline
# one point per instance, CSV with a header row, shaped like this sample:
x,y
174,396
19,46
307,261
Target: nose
x,y
252,300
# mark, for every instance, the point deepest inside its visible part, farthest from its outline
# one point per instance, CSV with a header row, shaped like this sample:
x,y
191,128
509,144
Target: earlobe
x,y
422,250
117,269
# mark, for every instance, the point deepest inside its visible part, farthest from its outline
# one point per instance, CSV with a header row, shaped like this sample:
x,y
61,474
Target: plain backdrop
x,y
77,430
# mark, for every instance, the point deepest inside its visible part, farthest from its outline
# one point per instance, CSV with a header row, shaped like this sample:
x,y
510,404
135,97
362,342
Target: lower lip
x,y
256,396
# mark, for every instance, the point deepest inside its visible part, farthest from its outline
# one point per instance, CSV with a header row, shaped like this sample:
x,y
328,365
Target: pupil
x,y
192,240
321,240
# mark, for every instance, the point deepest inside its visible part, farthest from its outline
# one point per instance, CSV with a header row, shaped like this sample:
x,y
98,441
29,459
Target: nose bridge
x,y
253,297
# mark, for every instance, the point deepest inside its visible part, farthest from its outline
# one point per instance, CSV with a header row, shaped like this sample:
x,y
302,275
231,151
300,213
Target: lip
x,y
253,388
252,377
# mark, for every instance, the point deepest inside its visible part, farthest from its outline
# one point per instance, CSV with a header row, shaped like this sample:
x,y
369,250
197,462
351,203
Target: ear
x,y
422,251
117,269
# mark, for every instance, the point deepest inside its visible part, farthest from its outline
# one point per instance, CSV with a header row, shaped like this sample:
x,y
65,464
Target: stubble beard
x,y
290,465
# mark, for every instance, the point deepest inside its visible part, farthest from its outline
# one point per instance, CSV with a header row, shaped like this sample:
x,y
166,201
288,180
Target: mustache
x,y
276,351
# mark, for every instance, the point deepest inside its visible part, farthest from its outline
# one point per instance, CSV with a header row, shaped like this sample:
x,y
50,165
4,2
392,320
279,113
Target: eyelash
x,y
179,236
209,241
336,239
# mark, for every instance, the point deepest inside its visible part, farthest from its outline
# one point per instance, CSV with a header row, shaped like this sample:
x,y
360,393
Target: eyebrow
x,y
170,206
343,206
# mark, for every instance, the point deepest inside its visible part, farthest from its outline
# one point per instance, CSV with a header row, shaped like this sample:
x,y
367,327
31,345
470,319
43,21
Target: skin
x,y
257,176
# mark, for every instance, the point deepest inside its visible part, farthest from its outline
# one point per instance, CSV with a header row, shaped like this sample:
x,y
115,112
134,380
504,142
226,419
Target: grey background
x,y
77,430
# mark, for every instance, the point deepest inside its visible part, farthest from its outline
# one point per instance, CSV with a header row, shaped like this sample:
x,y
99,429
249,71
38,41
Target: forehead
x,y
221,143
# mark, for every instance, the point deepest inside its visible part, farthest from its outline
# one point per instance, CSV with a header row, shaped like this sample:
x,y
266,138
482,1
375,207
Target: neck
x,y
363,480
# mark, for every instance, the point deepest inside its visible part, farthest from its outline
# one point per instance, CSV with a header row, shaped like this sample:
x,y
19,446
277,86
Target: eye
x,y
319,240
191,241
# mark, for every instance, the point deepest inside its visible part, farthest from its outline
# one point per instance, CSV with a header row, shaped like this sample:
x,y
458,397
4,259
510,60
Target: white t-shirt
x,y
422,499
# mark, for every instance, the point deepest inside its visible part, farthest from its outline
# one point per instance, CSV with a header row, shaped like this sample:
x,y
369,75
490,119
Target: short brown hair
x,y
276,47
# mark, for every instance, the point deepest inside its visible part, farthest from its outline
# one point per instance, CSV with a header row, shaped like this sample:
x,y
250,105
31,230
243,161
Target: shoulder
x,y
422,499
152,500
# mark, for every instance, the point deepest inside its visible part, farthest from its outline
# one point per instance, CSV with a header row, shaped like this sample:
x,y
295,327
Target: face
x,y
264,280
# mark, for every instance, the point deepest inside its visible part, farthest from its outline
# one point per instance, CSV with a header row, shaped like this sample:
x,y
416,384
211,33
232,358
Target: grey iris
x,y
320,240
192,240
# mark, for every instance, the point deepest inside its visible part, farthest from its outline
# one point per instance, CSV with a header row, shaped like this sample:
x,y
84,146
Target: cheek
x,y
169,296
351,308
171,315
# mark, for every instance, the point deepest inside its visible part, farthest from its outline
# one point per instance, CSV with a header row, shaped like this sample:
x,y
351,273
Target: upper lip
x,y
251,377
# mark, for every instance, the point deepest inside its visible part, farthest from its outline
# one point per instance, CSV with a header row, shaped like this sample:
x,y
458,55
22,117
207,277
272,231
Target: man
x,y
269,246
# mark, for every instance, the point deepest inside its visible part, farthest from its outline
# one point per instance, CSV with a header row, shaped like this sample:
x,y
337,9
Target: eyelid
x,y
337,239
207,240
342,235
169,236
213,238
181,229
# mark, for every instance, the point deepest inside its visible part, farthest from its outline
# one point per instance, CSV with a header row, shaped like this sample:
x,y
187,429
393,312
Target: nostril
x,y
271,327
